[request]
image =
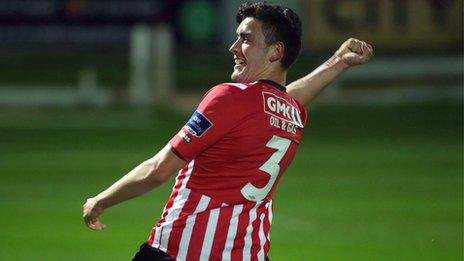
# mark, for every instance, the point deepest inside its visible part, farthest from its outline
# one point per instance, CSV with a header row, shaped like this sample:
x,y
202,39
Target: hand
x,y
354,52
91,212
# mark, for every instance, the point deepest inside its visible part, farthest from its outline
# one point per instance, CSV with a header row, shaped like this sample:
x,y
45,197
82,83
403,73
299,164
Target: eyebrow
x,y
243,35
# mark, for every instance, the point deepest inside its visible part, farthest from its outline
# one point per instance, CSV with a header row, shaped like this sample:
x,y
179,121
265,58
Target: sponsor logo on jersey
x,y
198,124
281,108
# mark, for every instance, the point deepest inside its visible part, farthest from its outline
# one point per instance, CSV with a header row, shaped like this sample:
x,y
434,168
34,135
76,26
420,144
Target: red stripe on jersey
x,y
199,229
222,228
211,228
151,237
257,235
250,237
186,238
175,190
232,232
179,225
267,227
239,241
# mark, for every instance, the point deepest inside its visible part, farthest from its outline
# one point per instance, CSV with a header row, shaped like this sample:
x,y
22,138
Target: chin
x,y
236,78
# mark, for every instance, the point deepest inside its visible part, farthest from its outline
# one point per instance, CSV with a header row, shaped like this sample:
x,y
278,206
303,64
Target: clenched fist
x,y
90,214
354,52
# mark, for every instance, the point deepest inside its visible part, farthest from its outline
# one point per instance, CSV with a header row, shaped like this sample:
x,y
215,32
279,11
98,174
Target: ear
x,y
276,52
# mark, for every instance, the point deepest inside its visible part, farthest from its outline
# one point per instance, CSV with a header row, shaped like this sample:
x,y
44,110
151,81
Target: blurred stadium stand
x,y
140,30
141,52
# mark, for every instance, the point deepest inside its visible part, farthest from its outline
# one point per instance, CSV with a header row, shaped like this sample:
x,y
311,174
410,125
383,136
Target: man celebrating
x,y
234,149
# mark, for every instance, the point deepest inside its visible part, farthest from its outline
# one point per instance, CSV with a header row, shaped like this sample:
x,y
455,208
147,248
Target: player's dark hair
x,y
280,24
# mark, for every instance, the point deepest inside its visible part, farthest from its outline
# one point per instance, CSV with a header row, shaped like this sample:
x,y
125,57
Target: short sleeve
x,y
215,116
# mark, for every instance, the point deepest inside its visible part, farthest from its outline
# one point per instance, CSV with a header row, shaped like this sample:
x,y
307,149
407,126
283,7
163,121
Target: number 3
x,y
271,167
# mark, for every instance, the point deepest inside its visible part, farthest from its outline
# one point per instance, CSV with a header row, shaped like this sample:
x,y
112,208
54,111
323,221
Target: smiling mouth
x,y
239,61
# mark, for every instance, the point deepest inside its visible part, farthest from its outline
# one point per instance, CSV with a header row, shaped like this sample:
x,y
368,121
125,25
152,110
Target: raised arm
x,y
352,52
145,177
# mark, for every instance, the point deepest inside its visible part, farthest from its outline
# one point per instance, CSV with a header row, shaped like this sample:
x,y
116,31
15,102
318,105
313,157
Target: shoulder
x,y
230,87
227,91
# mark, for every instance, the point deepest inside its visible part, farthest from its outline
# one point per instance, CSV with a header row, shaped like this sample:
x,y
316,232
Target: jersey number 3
x,y
271,167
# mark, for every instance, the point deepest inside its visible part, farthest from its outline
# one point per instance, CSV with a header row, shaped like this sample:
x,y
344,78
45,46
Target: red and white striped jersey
x,y
238,143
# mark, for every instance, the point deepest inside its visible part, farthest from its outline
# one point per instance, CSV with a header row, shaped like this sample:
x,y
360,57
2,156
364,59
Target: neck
x,y
279,76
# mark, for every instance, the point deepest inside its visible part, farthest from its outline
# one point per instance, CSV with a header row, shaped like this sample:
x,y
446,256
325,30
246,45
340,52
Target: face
x,y
251,53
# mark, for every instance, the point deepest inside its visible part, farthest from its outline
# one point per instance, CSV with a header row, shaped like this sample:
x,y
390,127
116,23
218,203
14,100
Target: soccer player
x,y
234,149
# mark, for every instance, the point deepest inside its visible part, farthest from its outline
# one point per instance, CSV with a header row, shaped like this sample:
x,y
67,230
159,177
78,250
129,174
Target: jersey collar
x,y
278,86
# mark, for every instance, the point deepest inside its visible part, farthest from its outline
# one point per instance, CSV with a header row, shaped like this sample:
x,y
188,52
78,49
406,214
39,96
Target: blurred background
x,y
89,89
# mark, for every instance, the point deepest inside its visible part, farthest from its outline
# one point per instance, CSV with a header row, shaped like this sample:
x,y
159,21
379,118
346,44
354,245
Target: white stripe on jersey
x,y
269,211
209,234
164,231
238,85
187,232
232,231
249,230
262,237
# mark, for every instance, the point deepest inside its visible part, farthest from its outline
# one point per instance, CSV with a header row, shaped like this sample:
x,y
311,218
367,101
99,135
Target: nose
x,y
234,47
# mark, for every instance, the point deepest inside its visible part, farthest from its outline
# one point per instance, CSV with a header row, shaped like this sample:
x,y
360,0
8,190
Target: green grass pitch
x,y
368,183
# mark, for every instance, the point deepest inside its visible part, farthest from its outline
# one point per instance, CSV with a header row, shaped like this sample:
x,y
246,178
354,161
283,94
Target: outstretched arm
x,y
145,177
352,52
